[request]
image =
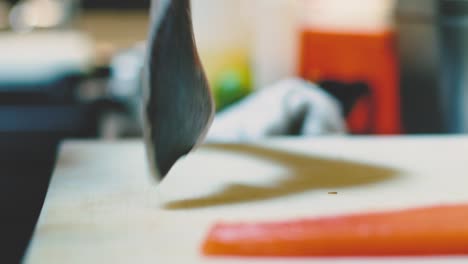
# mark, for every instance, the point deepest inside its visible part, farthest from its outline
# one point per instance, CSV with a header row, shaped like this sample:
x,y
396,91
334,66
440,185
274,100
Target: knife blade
x,y
178,105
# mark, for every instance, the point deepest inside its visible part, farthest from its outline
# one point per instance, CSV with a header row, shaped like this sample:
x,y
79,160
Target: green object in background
x,y
230,87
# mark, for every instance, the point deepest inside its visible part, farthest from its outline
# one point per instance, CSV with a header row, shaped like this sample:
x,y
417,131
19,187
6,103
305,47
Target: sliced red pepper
x,y
441,230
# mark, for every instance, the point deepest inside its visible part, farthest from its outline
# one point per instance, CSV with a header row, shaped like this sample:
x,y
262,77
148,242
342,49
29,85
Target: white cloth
x,y
274,111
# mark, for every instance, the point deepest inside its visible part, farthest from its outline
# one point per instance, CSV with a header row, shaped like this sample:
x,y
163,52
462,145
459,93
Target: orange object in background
x,y
357,57
441,230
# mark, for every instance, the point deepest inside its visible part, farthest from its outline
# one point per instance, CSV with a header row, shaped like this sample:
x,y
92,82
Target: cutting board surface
x,y
103,206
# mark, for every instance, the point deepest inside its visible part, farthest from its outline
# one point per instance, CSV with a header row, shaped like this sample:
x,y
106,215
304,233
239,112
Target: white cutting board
x,y
103,207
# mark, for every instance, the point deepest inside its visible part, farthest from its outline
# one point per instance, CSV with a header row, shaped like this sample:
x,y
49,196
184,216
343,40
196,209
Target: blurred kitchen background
x,y
70,68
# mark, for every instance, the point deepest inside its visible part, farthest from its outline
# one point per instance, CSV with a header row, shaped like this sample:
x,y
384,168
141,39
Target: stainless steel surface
x,y
178,104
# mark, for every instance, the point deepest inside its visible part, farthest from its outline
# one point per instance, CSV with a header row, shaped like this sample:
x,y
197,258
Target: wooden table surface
x,y
103,206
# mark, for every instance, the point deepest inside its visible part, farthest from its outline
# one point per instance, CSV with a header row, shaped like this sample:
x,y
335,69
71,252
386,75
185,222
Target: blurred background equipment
x,y
433,55
27,15
38,76
124,87
349,42
454,68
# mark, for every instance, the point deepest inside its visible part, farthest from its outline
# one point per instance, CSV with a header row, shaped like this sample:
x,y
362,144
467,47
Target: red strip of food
x,y
441,230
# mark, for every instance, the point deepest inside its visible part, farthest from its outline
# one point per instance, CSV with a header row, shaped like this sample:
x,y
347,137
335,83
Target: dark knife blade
x,y
178,105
